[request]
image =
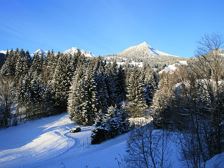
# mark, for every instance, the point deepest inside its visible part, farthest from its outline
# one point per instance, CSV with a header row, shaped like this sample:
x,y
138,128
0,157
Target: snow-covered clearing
x,y
47,142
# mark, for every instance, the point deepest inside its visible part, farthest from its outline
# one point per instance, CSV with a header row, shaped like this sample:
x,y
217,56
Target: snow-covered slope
x,y
47,143
3,51
74,50
216,162
172,68
39,52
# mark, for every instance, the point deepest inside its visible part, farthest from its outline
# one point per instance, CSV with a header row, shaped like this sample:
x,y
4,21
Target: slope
x,y
47,143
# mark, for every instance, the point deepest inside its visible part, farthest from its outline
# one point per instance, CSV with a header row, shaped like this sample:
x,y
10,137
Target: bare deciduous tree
x,y
147,149
204,97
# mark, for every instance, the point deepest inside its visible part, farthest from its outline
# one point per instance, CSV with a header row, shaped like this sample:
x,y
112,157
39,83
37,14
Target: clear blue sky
x,y
108,26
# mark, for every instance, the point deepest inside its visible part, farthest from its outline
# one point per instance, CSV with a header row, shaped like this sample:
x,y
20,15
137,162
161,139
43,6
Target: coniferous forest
x,y
92,90
112,84
96,91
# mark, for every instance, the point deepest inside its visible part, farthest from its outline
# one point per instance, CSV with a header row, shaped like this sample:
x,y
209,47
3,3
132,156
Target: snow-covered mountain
x,y
74,50
144,53
143,50
39,52
3,51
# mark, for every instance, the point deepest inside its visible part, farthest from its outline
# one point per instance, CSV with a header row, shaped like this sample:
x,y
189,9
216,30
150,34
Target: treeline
x,y
43,85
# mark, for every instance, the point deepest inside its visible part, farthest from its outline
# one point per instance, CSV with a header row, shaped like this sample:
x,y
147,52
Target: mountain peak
x,y
71,51
39,51
3,51
74,50
145,44
142,50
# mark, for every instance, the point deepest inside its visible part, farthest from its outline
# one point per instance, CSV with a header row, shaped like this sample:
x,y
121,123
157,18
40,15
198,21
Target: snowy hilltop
x,y
143,50
75,50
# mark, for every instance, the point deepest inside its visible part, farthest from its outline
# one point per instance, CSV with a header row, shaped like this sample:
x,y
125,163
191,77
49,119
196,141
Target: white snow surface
x,y
144,49
3,51
47,142
138,64
39,52
74,50
140,120
216,162
173,67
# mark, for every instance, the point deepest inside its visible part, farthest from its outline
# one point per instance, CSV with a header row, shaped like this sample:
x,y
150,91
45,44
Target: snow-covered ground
x,y
47,143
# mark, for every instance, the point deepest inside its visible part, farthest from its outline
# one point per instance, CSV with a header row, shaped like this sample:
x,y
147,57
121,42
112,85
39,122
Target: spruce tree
x,y
8,69
22,65
136,98
61,81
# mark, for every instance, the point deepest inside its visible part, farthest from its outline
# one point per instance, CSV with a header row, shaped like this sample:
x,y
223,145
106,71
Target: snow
x,y
3,51
164,53
39,51
47,142
173,67
74,50
140,121
183,62
217,161
138,64
143,49
169,69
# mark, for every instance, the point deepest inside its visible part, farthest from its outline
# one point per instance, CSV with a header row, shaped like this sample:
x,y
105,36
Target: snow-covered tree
x,y
9,67
114,123
61,80
22,65
135,94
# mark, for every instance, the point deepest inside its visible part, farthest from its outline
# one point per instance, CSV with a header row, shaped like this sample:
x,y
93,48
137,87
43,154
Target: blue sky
x,y
109,26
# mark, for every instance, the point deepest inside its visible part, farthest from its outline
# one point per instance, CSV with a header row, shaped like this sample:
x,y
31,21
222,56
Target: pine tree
x,y
22,65
136,98
49,65
76,96
62,80
31,89
115,84
8,68
102,95
150,83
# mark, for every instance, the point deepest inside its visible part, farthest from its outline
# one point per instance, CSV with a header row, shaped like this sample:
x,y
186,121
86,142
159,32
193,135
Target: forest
x,y
95,91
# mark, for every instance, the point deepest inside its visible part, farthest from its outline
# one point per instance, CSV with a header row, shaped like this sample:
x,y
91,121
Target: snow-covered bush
x,y
114,123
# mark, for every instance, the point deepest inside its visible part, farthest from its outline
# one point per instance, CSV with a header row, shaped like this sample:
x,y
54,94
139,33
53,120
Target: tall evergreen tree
x,y
22,65
136,98
9,67
61,83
